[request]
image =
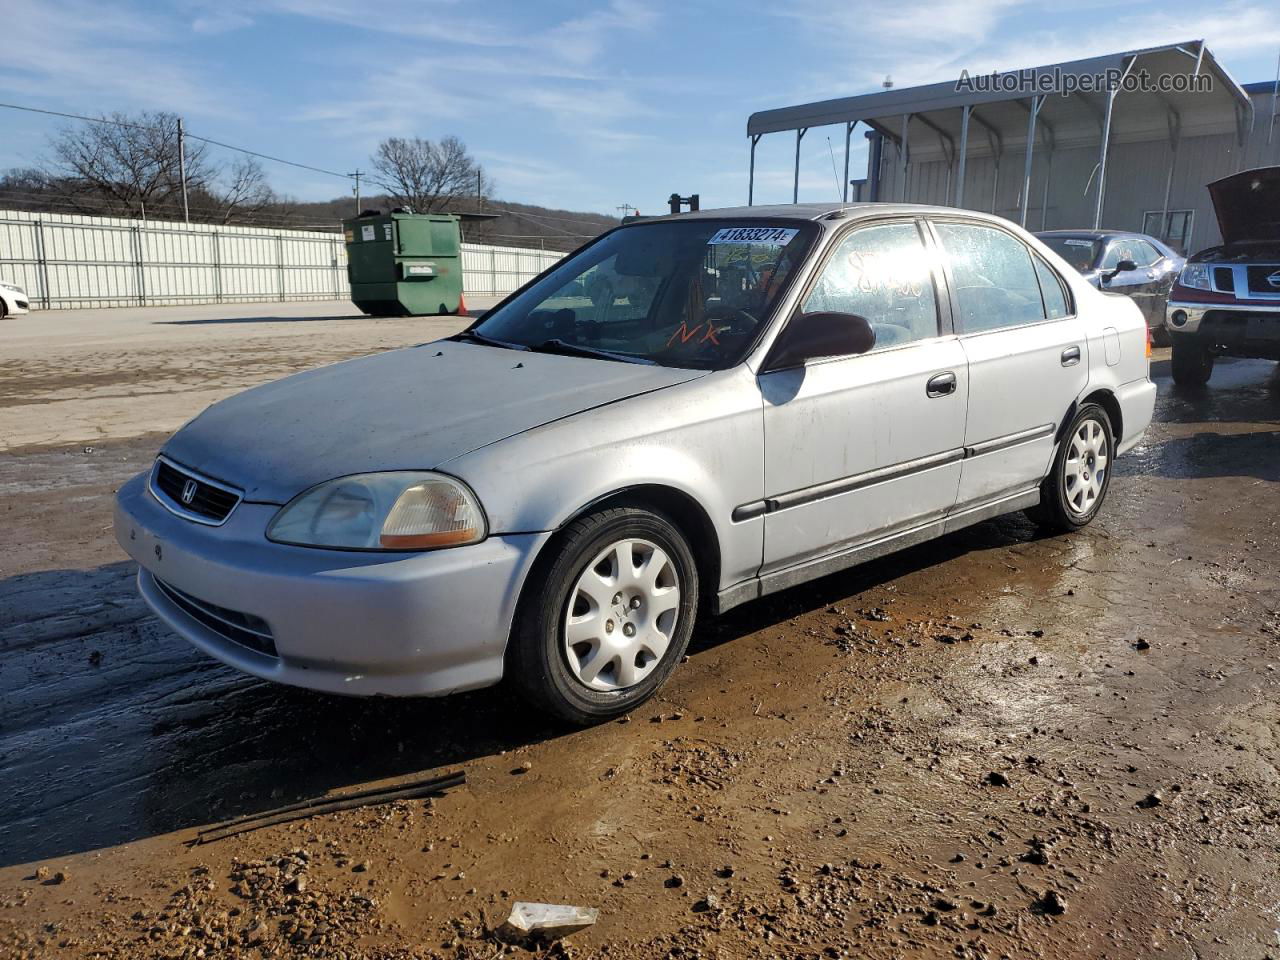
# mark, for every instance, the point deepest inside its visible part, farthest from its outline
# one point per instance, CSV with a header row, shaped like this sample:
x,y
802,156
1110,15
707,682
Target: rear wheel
x,y
1072,494
1192,361
606,618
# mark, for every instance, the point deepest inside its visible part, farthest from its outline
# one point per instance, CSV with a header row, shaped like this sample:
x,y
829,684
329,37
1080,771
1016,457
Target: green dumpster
x,y
404,264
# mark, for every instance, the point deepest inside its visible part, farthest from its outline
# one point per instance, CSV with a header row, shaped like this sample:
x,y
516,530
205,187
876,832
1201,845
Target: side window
x,y
1144,253
1121,250
881,273
995,282
1052,290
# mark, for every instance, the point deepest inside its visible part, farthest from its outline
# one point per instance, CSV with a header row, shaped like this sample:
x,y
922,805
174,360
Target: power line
x,y
189,136
254,153
76,116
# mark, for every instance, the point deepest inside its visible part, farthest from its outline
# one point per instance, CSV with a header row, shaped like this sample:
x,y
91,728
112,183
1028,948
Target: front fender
x,y
704,439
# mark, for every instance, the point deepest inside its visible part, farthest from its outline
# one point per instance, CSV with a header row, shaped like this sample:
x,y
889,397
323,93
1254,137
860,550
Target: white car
x,y
13,300
688,413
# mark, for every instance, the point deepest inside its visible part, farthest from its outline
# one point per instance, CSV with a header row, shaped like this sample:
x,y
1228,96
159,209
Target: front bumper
x,y
401,624
1227,320
16,304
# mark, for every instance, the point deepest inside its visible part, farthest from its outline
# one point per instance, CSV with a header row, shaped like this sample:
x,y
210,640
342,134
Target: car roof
x,y
1095,234
822,211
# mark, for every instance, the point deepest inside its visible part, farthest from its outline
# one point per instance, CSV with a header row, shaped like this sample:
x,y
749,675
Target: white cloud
x,y
77,54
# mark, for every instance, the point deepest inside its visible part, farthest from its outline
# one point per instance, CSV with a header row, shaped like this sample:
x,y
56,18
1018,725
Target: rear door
x,y
1026,351
860,447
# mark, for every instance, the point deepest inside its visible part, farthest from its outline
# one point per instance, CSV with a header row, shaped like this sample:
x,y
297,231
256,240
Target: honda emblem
x,y
189,491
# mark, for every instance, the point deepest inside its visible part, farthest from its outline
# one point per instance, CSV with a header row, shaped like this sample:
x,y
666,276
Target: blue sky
x,y
575,105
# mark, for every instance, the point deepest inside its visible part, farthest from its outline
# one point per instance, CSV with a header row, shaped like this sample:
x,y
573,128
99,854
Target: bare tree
x,y
244,193
127,164
425,175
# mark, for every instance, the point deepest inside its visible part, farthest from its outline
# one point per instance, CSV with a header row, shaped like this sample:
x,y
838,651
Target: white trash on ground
x,y
548,921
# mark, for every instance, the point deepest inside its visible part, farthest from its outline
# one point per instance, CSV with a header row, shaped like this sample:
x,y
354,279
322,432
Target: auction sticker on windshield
x,y
772,235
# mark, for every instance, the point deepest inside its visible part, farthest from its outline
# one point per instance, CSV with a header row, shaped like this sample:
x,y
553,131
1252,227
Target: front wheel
x,y
606,617
1191,360
1072,494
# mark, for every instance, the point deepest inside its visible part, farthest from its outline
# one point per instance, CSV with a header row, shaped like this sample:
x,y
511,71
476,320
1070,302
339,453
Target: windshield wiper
x,y
556,345
473,337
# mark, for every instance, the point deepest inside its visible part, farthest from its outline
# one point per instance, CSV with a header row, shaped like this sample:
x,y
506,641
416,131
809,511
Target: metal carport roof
x,y
1022,107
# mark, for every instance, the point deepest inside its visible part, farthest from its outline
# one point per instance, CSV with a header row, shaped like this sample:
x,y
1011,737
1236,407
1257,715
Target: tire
x,y
1073,493
616,661
1159,336
1192,362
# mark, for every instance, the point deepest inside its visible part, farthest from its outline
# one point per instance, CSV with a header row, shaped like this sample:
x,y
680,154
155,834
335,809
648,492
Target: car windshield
x,y
1080,252
681,293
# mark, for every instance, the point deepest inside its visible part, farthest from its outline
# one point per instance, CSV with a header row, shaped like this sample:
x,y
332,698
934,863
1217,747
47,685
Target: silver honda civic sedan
x,y
688,413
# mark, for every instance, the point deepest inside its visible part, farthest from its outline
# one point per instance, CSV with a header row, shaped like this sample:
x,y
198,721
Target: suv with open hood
x,y
1226,302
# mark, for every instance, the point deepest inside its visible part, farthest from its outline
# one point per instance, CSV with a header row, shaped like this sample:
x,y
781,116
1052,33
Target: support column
x,y
1102,159
795,186
1044,202
751,170
1036,102
904,156
1175,137
844,187
964,149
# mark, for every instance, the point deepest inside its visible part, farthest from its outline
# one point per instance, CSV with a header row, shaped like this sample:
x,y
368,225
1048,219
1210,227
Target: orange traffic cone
x,y
462,306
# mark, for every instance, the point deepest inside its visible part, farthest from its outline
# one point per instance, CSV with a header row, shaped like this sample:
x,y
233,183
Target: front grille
x,y
190,495
1259,281
1224,279
240,628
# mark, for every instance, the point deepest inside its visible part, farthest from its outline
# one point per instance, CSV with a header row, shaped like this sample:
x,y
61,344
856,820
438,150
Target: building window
x,y
1176,233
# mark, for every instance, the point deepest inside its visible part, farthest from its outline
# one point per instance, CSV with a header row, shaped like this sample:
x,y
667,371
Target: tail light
x,y
1148,329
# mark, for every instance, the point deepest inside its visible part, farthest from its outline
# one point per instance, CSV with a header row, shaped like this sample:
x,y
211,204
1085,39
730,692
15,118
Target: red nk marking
x,y
685,334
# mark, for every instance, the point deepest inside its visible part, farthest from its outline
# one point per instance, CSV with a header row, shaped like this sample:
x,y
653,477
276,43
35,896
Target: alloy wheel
x,y
1085,469
621,615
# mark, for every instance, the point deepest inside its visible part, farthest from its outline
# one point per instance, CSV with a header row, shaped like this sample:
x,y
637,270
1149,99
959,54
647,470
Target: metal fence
x,y
69,261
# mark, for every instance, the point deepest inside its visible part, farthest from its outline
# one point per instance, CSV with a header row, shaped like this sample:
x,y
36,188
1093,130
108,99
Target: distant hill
x,y
517,225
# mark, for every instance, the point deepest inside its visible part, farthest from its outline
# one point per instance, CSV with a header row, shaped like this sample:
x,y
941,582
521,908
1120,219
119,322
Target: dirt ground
x,y
994,745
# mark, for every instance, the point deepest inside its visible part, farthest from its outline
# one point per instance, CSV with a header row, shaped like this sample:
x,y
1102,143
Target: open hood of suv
x,y
1248,206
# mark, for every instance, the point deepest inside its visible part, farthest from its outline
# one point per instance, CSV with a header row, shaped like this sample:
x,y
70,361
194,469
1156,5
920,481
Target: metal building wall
x,y
1137,173
69,261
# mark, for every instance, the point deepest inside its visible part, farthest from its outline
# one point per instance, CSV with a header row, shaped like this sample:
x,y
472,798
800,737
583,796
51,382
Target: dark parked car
x,y
1227,300
1139,266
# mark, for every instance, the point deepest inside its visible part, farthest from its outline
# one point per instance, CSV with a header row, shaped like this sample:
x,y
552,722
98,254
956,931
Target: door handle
x,y
1070,356
942,385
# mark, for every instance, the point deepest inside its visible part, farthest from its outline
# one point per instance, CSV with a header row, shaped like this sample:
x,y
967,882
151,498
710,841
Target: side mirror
x,y
1124,266
811,336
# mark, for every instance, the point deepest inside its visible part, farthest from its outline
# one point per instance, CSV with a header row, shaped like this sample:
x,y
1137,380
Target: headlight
x,y
1195,275
382,511
13,286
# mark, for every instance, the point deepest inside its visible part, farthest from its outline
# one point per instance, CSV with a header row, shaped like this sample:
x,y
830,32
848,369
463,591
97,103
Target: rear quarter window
x,y
1053,291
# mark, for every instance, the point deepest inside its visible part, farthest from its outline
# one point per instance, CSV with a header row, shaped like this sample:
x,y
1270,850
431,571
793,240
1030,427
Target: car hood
x,y
409,409
1248,206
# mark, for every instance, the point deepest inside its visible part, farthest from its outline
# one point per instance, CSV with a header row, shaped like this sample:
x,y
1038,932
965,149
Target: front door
x,y
859,447
1141,285
1027,354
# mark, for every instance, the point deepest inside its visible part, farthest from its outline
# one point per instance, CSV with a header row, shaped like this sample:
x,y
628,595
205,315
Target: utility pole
x,y
357,175
182,169
479,190
626,209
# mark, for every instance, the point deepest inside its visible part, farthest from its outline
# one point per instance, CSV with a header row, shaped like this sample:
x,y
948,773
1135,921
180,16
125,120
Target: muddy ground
x,y
998,744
